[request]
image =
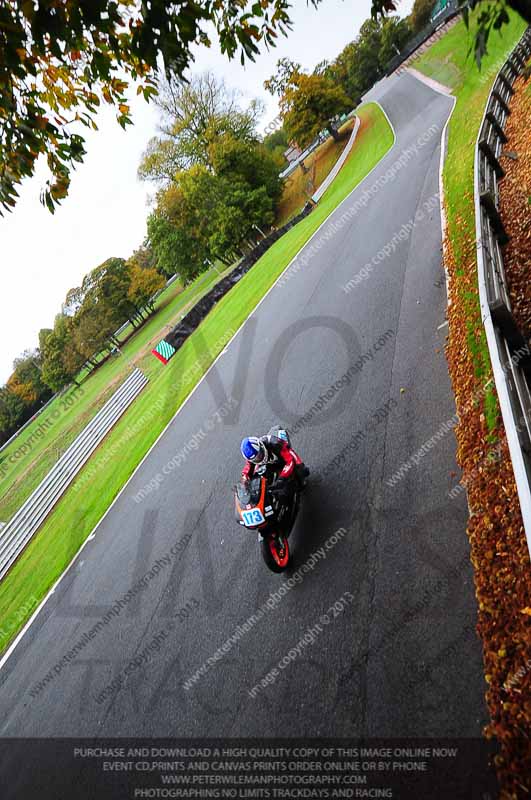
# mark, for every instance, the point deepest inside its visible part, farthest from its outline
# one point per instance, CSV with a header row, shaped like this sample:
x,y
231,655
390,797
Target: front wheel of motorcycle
x,y
275,552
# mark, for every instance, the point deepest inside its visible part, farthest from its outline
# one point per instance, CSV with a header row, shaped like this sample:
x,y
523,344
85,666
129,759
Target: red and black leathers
x,y
278,453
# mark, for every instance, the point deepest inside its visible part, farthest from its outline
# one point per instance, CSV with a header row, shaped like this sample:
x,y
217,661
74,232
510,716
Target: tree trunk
x,y
333,132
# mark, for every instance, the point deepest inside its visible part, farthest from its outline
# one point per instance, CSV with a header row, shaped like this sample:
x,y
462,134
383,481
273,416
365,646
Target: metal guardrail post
x,y
508,347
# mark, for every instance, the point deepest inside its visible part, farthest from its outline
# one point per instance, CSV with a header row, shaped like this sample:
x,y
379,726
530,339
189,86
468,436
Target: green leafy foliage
x,y
209,212
277,144
178,227
11,413
359,65
115,292
60,60
194,115
145,282
421,14
61,359
362,62
253,163
286,72
26,380
218,180
308,105
144,257
24,392
395,33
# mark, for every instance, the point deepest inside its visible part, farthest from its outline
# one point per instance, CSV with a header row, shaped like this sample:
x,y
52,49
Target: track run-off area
x,y
178,627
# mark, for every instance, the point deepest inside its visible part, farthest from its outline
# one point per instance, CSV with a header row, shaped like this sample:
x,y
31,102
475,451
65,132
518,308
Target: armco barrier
x,y
21,528
508,347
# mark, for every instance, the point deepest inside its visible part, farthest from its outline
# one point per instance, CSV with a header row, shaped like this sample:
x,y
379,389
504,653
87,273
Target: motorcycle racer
x,y
274,450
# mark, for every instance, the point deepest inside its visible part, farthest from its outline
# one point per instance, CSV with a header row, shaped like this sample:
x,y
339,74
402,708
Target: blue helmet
x,y
253,449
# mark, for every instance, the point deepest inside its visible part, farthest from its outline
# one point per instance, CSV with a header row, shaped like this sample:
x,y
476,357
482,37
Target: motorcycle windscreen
x,y
249,492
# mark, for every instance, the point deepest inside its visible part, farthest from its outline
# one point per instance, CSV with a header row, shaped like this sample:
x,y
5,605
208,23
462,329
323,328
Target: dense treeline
x,y
218,183
218,188
308,103
115,292
62,60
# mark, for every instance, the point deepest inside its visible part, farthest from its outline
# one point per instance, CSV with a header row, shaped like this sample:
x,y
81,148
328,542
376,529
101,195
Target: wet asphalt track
x,y
403,659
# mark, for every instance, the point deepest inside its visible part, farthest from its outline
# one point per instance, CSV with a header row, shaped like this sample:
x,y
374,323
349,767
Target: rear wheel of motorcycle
x,y
276,553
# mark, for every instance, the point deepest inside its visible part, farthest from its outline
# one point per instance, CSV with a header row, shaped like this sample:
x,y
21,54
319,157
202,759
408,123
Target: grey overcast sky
x,y
42,256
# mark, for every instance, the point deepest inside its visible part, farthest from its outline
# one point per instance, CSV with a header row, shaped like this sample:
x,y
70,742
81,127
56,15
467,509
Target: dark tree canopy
x,y
61,358
210,209
421,14
11,413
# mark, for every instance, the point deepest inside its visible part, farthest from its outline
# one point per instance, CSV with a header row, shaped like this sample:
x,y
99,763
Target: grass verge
x,y
26,461
79,511
497,541
299,186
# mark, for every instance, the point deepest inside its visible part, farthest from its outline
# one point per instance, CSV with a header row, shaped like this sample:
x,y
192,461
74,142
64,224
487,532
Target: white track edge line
x,y
444,219
436,86
92,535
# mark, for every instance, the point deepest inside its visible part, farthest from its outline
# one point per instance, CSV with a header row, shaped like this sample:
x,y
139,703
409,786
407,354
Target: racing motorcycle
x,y
259,508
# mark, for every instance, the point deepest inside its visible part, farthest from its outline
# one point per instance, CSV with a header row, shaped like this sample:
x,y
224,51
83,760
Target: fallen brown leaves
x,y
502,570
515,204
